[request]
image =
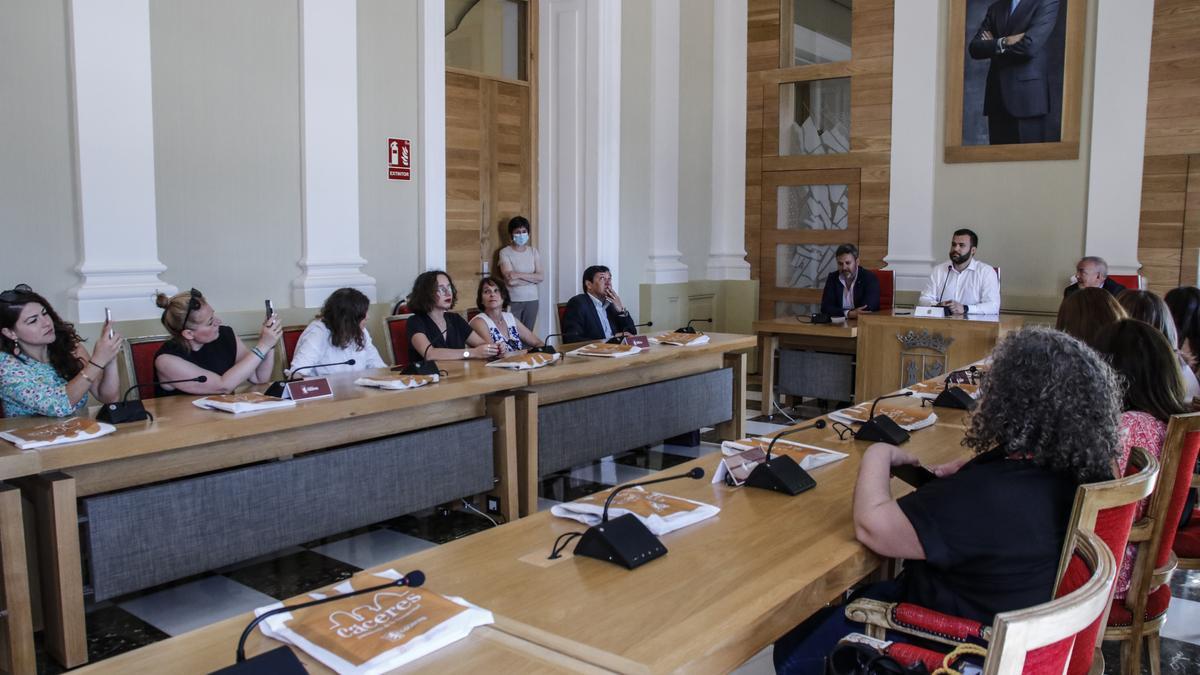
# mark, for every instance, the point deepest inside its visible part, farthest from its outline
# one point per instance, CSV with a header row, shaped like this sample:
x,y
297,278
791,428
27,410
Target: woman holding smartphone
x,y
44,367
338,334
201,345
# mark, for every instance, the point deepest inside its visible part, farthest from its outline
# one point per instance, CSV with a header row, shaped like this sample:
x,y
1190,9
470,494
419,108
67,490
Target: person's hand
x,y
269,335
895,456
955,307
949,468
986,35
484,351
615,299
1013,39
107,347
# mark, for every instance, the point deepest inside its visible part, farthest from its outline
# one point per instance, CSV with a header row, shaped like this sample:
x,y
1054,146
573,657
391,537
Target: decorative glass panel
x,y
814,117
786,309
487,36
803,265
813,207
820,31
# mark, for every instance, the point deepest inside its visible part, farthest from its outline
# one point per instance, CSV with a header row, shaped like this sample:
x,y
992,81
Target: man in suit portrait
x,y
598,312
851,290
1013,36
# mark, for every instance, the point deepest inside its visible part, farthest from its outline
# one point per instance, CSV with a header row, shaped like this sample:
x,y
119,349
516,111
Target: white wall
x,y
636,150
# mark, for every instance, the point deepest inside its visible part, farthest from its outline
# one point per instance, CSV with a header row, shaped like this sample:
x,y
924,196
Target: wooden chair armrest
x,y
1141,530
914,620
1162,575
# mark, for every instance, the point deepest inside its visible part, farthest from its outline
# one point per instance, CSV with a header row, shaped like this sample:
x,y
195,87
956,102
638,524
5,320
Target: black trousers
x,y
1004,129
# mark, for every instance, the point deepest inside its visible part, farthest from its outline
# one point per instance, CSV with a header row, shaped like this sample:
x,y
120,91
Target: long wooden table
x,y
837,338
728,587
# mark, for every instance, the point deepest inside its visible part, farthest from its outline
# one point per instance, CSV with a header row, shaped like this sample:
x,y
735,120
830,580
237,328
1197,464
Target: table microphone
x,y
133,411
413,579
882,428
625,540
422,367
546,347
688,328
955,397
782,473
615,340
276,388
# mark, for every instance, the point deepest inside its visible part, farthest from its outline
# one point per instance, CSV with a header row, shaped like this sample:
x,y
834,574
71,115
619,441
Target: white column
x,y
916,145
1122,79
329,153
430,150
113,117
727,242
579,150
664,264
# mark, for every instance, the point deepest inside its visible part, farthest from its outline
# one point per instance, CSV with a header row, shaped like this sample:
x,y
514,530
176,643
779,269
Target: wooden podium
x,y
897,350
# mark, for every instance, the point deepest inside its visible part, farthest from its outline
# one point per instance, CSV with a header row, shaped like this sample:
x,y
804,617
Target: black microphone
x,y
955,397
422,367
277,387
615,340
133,411
546,347
782,473
625,540
688,328
413,579
882,428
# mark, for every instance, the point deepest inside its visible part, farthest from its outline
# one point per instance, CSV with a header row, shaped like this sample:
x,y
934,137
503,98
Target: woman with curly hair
x,y
1083,313
338,334
985,537
1149,307
44,367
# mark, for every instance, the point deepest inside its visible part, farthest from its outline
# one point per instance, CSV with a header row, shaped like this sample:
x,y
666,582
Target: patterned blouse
x,y
30,387
1141,430
513,339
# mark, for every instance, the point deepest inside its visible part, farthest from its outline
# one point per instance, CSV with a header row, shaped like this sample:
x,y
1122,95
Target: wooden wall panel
x,y
1160,237
464,195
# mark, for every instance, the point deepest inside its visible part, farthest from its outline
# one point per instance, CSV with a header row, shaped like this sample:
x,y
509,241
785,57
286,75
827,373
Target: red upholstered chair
x,y
138,357
1103,509
291,336
1134,281
562,312
397,332
887,289
1141,614
1043,638
1187,540
472,313
401,308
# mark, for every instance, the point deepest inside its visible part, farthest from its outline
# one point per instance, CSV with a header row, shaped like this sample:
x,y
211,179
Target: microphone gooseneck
x,y
819,424
413,579
199,378
293,371
696,473
874,403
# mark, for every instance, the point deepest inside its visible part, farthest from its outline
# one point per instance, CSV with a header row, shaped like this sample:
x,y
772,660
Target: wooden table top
x,y
576,367
794,326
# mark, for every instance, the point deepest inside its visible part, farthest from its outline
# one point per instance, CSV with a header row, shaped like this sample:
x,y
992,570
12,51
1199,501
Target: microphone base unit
x,y
954,397
544,349
278,661
882,429
124,411
277,388
819,317
686,329
623,541
420,368
781,474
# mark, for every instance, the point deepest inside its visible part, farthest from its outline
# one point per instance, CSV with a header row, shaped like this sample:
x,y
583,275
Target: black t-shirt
x,y
992,535
457,332
217,356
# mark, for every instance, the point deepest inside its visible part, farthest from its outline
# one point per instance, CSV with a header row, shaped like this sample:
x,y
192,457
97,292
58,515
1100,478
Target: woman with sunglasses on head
x,y
338,334
495,323
437,333
44,367
200,345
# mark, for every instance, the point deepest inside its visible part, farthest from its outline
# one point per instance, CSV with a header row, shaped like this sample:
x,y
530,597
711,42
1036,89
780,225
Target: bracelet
x,y
259,353
85,376
96,364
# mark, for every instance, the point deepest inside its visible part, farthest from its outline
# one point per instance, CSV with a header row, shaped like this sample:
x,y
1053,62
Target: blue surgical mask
x,y
521,239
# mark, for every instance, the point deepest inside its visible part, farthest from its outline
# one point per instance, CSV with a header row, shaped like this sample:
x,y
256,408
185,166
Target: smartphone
x,y
913,474
270,309
108,320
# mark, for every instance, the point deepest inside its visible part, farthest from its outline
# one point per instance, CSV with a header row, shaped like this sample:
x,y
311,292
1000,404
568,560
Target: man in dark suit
x,y
1013,36
851,290
1092,272
597,313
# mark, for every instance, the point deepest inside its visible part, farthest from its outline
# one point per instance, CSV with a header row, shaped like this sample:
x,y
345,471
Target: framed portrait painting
x,y
1014,74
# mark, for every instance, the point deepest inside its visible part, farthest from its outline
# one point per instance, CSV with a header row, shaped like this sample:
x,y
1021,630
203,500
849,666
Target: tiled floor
x,y
147,617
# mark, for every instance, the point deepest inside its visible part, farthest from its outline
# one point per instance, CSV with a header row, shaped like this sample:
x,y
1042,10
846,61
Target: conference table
x,y
728,587
185,442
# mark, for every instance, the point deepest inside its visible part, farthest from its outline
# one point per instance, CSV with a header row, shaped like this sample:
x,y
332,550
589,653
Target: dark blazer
x,y
1017,81
866,292
1109,285
581,322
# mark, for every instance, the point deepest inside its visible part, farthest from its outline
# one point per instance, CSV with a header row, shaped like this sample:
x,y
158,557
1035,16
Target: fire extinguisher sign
x,y
399,159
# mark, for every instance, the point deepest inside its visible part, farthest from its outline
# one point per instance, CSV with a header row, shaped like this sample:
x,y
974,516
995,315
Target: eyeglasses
x,y
445,290
193,305
14,294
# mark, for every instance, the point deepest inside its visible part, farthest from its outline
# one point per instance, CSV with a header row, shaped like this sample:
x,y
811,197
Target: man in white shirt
x,y
965,285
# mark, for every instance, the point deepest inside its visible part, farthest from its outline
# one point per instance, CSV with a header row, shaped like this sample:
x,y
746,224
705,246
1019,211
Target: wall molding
x,y
430,150
727,240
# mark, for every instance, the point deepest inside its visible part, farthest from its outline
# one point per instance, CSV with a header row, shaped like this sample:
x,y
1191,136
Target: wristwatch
x,y
466,353
966,309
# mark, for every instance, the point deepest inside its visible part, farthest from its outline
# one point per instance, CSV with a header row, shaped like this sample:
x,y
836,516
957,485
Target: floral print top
x,y
30,387
1141,430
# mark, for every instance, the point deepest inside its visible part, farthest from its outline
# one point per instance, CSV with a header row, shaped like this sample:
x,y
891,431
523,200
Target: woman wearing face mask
x,y
521,269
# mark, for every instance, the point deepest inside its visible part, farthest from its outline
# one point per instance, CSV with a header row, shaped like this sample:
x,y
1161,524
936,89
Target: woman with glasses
x,y
434,331
201,345
44,367
495,323
338,334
